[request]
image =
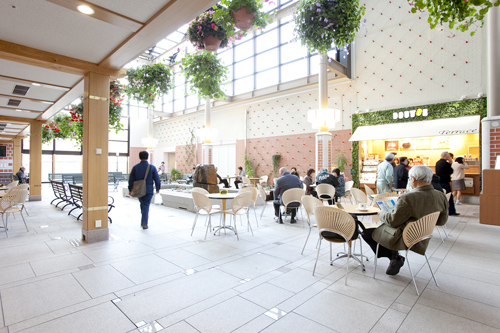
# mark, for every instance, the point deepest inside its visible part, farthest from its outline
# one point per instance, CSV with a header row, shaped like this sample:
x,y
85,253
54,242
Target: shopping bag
x,y
158,199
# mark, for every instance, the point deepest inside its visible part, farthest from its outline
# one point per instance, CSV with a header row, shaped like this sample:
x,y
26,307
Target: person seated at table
x,y
21,177
308,181
295,173
294,169
283,183
340,189
239,177
190,178
325,178
401,173
420,201
222,181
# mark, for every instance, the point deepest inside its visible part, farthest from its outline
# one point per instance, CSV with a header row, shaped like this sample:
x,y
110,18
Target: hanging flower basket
x,y
321,25
243,14
206,73
242,18
204,29
147,83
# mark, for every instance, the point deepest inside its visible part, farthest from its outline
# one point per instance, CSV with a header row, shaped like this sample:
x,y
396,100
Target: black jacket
x,y
444,170
436,183
327,178
400,176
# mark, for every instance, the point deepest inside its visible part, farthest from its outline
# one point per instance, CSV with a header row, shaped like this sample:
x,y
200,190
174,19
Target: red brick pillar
x,y
490,141
323,151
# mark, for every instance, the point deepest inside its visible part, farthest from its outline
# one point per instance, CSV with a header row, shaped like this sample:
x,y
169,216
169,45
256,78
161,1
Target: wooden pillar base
x,y
96,235
35,198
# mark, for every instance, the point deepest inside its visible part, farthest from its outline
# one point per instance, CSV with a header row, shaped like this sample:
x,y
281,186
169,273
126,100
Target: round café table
x,y
254,181
229,180
224,198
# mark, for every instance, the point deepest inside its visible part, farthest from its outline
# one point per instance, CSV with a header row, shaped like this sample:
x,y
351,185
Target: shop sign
x,y
391,145
411,114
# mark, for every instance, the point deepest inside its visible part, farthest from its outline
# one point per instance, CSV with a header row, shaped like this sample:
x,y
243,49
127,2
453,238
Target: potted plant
x,y
276,162
147,83
206,73
208,32
244,14
340,160
321,25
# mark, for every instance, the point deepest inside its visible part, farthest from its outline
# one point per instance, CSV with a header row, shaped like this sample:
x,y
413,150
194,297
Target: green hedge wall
x,y
469,107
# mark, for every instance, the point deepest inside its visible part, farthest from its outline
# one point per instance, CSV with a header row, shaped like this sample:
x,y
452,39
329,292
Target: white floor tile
x,y
147,268
252,266
183,258
294,323
59,263
295,280
15,273
267,295
102,280
180,327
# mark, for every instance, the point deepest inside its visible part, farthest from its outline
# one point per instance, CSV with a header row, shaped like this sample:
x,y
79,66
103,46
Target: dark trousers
x,y
314,194
145,202
382,251
236,182
447,187
277,211
330,202
224,181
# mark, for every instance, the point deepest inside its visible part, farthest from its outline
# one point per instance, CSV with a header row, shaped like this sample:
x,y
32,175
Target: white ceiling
x,y
139,10
43,93
38,74
14,113
46,26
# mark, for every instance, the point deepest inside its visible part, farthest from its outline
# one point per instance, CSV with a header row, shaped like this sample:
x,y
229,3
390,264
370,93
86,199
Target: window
x,y
243,85
267,60
267,40
243,51
267,78
294,71
243,68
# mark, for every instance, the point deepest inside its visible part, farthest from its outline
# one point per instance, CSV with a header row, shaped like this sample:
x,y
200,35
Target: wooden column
x,y
35,161
95,158
18,158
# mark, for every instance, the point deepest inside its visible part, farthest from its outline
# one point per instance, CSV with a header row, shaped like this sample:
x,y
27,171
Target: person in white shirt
x,y
458,178
385,175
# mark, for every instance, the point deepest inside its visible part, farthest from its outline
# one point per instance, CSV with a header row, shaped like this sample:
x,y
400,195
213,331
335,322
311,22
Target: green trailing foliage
x,y
209,24
340,160
147,83
249,171
205,73
175,174
275,159
321,25
261,18
456,14
454,109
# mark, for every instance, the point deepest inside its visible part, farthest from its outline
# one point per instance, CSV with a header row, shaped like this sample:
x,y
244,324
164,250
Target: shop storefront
x,y
420,139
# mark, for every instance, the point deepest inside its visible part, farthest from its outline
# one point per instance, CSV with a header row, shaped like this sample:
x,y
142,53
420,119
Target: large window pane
x,y
67,145
292,51
179,104
180,91
267,60
47,167
228,88
26,143
243,85
293,71
267,40
226,57
267,78
192,101
287,32
68,163
118,147
117,164
121,135
243,68
48,146
243,51
314,64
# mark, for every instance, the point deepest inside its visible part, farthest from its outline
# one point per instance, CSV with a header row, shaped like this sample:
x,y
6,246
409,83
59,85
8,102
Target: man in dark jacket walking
x,y
444,171
138,172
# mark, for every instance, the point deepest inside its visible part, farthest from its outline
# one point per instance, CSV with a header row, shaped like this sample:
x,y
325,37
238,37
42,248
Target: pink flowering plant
x,y
261,18
321,25
208,24
147,83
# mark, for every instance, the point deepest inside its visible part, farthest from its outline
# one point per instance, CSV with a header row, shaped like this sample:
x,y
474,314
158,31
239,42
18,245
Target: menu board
x,y
391,145
407,145
423,144
442,142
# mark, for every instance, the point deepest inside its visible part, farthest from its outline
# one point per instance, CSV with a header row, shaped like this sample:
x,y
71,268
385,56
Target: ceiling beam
x,y
101,14
6,108
74,93
57,62
12,136
16,119
23,98
30,82
338,68
173,15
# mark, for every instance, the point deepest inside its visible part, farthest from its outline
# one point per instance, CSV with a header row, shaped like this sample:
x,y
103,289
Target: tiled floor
x,y
162,279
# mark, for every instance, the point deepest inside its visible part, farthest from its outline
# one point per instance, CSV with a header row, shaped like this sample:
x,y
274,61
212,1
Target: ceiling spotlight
x,y
85,10
36,84
44,102
19,110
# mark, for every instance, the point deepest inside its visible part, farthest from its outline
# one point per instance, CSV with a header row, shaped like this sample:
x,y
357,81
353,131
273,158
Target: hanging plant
x,y
243,14
205,73
208,32
249,171
457,14
70,125
276,162
147,83
321,25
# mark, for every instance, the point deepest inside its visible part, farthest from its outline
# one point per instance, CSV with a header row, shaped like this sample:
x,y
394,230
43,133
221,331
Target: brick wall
x,y
6,162
494,146
134,156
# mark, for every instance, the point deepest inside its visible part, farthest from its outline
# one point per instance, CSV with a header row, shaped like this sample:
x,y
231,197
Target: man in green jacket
x,y
422,200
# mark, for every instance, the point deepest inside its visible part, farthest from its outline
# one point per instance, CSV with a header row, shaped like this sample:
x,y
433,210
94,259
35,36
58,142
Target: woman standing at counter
x,y
458,178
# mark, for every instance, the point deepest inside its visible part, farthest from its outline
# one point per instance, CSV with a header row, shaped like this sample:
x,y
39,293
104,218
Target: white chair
x,y
263,180
205,192
203,206
332,220
255,196
263,195
369,192
448,195
414,233
325,192
292,196
359,196
240,206
246,181
9,204
348,187
309,203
